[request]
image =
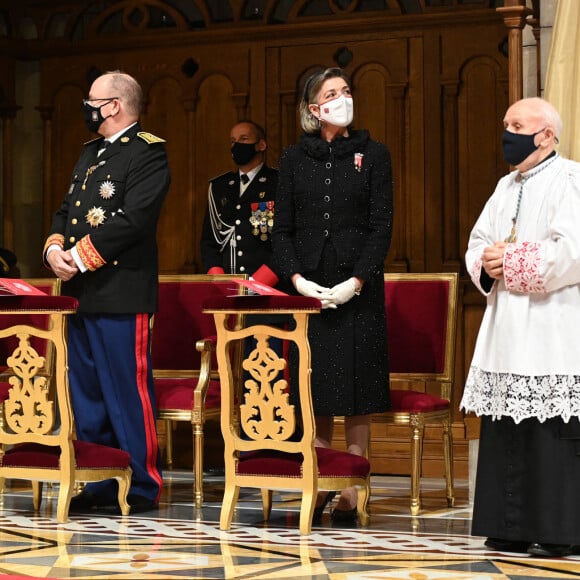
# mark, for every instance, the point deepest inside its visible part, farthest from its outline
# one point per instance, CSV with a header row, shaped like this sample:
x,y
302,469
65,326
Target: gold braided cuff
x,y
89,255
53,240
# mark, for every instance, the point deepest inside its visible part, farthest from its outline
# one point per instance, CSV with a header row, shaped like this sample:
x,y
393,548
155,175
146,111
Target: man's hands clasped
x,y
329,297
62,264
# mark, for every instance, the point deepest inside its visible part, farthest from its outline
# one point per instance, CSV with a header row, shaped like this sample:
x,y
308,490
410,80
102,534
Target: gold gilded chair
x,y
269,443
421,325
51,287
183,351
32,448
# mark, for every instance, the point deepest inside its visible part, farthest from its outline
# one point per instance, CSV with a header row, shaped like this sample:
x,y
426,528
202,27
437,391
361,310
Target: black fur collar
x,y
342,147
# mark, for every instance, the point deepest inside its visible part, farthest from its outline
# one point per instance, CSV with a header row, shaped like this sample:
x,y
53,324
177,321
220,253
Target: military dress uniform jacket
x,y
237,236
110,214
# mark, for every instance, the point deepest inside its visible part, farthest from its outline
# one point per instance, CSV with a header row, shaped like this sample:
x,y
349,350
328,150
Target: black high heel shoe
x,y
344,516
319,510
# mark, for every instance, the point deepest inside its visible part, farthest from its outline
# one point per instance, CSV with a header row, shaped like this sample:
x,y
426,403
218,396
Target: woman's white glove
x,y
314,290
343,292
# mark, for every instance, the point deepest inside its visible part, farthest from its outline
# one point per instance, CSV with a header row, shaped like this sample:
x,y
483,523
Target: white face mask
x,y
338,112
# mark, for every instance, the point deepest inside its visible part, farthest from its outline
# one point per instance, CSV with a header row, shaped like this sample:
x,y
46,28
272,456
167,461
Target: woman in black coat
x,y
334,218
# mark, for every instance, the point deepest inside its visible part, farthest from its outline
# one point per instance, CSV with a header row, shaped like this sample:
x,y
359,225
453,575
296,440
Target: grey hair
x,y
128,89
310,93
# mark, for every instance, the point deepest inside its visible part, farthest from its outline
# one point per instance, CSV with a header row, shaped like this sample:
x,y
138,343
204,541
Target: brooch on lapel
x,y
358,159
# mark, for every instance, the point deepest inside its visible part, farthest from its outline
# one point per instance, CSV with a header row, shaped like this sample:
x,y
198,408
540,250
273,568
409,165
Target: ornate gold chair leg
x,y
231,493
65,492
363,495
448,458
169,443
306,511
267,495
124,485
36,494
416,457
198,439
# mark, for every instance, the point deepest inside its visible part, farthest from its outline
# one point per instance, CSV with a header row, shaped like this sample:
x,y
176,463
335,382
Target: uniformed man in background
x,y
241,204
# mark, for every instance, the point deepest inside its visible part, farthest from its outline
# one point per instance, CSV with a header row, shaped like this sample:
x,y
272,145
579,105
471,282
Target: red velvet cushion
x,y
331,463
4,388
248,303
416,325
88,456
50,303
178,394
414,402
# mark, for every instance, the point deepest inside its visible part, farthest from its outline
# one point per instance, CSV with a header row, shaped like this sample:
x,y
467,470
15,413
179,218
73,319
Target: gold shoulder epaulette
x,y
92,141
150,138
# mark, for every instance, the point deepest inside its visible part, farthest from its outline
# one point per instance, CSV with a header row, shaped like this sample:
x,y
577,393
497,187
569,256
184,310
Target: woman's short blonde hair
x,y
310,94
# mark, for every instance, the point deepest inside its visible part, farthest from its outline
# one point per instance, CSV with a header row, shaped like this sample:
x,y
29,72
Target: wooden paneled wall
x,y
432,85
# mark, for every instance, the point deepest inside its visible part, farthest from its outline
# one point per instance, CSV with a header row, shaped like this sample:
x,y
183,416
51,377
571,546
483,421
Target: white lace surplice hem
x,y
521,397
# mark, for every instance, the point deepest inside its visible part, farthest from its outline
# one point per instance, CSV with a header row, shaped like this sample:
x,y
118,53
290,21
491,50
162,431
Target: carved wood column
x,y
190,106
399,252
450,209
46,115
515,13
8,114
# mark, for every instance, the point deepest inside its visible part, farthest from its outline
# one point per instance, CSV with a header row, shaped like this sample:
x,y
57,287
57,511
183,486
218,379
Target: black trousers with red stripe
x,y
112,393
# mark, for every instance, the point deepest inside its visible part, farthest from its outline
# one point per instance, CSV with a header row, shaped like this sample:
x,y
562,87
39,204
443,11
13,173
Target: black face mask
x,y
93,116
517,147
243,153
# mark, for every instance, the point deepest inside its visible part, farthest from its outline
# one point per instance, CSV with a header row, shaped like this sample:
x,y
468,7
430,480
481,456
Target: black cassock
x,y
528,481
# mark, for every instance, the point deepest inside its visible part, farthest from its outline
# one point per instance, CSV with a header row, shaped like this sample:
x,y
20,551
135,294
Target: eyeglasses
x,y
108,99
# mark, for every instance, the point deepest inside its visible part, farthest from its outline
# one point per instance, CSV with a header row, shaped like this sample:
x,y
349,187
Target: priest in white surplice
x,y
524,380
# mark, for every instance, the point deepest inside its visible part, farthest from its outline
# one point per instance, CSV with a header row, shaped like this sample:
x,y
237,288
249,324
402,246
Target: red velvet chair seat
x,y
331,463
4,391
416,402
87,455
177,393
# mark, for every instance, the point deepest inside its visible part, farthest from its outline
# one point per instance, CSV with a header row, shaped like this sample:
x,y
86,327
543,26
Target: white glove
x,y
343,292
313,290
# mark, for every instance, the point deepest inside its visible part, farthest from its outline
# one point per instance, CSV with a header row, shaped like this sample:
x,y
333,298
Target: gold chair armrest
x,y
206,346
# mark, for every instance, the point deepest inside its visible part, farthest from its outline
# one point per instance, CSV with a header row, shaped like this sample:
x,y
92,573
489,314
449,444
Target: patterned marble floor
x,y
177,541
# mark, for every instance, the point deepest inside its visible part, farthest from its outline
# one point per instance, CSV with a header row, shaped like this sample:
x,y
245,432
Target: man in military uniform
x,y
240,213
102,244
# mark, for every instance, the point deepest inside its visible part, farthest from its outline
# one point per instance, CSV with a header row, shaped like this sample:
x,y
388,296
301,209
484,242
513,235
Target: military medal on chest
x,y
90,171
107,190
95,217
262,218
